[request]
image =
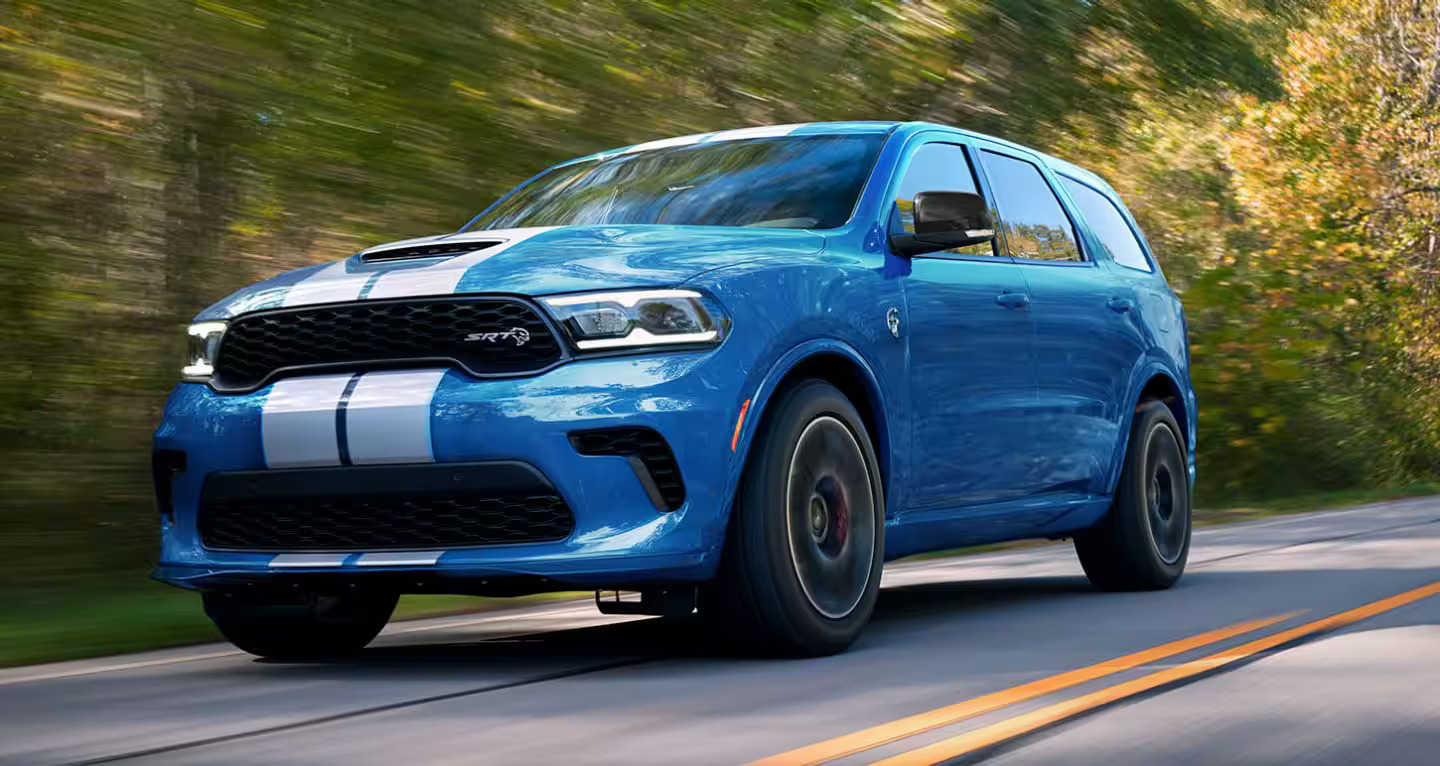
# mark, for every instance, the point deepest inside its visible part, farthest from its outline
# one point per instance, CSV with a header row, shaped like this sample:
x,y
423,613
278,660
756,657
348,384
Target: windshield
x,y
808,182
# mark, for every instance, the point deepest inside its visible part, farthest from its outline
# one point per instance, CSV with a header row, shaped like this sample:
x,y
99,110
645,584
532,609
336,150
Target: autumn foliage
x,y
157,154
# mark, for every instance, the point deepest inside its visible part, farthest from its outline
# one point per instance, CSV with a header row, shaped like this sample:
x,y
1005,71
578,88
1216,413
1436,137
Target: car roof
x,y
756,131
853,127
1056,164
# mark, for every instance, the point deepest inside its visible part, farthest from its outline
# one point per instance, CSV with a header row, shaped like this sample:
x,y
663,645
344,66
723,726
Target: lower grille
x,y
381,508
393,523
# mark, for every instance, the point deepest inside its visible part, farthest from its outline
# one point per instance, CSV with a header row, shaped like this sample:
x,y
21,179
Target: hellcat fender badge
x,y
519,335
892,320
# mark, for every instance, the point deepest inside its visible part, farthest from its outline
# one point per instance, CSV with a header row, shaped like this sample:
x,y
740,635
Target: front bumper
x,y
619,535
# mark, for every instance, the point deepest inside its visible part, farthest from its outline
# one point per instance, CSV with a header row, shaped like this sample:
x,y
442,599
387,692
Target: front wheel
x,y
801,568
1145,540
308,627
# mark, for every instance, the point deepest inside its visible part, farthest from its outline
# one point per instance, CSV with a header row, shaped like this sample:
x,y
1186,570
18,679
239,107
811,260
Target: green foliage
x,y
158,154
1305,246
48,629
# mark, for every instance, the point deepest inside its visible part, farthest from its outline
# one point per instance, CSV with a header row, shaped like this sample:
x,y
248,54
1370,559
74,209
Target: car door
x,y
1086,339
969,334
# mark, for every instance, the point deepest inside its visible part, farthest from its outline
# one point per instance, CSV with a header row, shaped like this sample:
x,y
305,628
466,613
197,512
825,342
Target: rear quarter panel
x,y
1162,318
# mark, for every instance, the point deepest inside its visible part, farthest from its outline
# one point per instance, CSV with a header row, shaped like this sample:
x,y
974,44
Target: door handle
x,y
1120,305
1013,300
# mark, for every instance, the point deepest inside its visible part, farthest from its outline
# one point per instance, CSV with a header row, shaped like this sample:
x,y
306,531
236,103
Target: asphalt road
x,y
1308,639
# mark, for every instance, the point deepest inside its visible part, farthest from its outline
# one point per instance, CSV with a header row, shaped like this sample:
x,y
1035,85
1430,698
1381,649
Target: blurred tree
x,y
1304,228
158,154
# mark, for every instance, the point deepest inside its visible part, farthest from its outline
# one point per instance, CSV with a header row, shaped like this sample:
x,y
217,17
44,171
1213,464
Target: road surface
x,y
1308,639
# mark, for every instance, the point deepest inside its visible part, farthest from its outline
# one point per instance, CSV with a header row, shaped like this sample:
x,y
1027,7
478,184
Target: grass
x,y
65,626
1236,512
157,617
1323,501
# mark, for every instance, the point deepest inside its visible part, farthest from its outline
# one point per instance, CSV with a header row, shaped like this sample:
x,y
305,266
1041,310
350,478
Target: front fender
x,y
765,386
787,311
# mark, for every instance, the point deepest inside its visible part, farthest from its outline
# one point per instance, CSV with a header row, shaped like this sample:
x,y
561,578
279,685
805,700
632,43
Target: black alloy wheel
x,y
800,573
1166,497
832,517
1144,540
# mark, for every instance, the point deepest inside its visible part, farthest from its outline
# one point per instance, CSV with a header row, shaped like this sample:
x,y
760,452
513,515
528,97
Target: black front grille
x,y
486,336
645,444
369,524
370,508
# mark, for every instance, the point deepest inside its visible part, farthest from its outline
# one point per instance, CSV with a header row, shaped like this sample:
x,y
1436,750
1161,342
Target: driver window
x,y
935,167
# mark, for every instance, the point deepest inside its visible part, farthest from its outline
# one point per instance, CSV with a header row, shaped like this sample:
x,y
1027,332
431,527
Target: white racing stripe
x,y
292,560
297,422
416,282
443,277
332,284
666,143
763,131
400,559
387,419
335,283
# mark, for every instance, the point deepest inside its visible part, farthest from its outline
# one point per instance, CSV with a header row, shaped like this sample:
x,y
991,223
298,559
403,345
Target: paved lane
x,y
1369,695
560,684
79,711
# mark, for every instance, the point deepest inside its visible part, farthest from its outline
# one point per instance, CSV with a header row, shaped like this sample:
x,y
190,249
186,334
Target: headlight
x,y
204,341
638,318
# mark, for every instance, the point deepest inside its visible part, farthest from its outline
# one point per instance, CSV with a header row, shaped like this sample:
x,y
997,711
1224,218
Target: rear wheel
x,y
801,569
1145,540
309,627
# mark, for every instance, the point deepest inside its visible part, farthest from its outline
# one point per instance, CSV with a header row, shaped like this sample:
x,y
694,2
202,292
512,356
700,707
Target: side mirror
x,y
945,220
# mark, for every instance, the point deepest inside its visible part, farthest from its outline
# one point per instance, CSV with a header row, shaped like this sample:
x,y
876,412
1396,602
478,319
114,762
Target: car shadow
x,y
954,598
653,639
1206,598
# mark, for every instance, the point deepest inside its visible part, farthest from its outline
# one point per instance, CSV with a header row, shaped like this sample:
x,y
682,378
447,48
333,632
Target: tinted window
x,y
808,182
936,167
1108,225
1035,225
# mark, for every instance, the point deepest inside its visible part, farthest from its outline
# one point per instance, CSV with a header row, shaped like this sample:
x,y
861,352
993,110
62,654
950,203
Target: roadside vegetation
x,y
42,628
157,154
34,630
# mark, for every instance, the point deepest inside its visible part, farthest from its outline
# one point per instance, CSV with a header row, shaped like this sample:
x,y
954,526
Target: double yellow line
x,y
1011,728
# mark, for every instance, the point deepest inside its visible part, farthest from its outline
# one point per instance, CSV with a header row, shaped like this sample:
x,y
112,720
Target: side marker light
x,y
740,421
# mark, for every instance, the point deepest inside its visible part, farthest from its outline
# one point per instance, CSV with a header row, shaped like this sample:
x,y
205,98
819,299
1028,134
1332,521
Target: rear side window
x,y
1108,225
1036,226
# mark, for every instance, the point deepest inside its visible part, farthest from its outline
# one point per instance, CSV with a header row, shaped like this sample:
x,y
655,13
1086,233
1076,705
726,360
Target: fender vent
x,y
423,251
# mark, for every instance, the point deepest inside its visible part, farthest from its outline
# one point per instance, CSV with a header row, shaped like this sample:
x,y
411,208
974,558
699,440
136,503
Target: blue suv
x,y
733,372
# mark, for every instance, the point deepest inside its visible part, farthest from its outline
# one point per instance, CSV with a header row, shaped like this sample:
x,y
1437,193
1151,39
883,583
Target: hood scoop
x,y
383,253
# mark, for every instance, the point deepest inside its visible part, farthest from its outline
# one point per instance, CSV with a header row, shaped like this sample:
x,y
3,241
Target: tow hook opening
x,y
658,602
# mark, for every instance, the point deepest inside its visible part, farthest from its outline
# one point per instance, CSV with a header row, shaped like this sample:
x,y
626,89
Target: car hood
x,y
534,261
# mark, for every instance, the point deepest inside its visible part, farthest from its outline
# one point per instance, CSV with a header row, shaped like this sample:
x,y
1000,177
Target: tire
x,y
312,627
800,573
1144,541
